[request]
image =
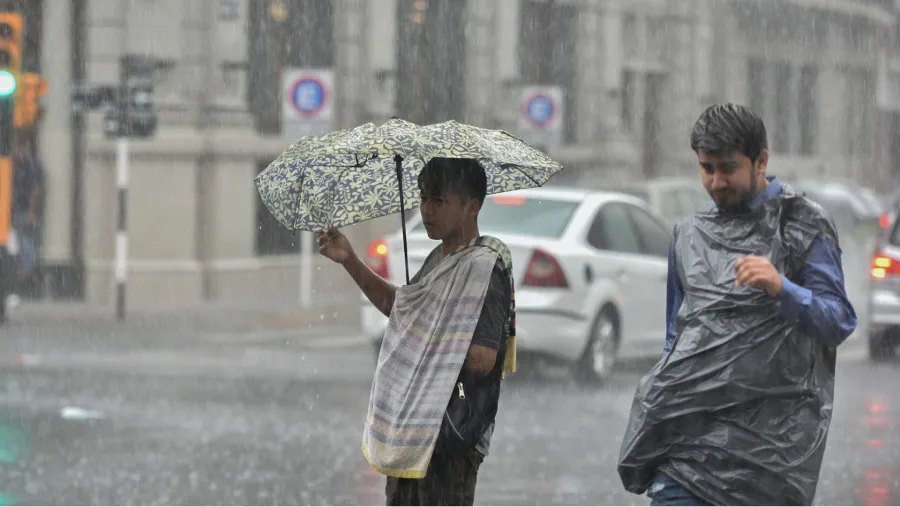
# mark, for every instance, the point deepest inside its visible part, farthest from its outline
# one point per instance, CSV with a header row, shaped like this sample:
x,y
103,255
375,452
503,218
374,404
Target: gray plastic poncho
x,y
738,412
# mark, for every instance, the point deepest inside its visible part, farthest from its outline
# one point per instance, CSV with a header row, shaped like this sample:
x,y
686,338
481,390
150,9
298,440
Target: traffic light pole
x,y
122,170
129,113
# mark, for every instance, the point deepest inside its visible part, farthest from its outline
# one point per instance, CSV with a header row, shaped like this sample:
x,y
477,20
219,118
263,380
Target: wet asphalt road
x,y
186,419
247,432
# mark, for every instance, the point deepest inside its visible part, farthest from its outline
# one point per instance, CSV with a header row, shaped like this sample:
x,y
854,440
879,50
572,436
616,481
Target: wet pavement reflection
x,y
120,436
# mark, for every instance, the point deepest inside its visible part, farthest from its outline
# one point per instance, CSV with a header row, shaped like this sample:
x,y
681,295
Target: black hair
x,y
727,128
460,176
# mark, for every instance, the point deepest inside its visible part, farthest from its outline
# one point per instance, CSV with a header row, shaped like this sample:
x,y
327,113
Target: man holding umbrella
x,y
451,329
442,468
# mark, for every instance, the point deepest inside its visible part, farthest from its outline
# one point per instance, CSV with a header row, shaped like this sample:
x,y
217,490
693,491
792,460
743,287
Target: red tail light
x,y
544,271
378,259
884,221
884,265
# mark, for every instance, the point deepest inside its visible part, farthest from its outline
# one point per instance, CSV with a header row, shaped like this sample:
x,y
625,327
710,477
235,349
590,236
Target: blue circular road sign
x,y
540,109
309,96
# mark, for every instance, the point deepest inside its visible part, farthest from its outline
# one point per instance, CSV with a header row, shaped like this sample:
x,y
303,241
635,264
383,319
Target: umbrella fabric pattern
x,y
350,176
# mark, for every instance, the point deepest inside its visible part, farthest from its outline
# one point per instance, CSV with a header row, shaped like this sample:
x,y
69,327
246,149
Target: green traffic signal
x,y
7,83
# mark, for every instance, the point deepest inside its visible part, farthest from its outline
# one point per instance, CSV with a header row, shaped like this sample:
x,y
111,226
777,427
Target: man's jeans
x,y
666,491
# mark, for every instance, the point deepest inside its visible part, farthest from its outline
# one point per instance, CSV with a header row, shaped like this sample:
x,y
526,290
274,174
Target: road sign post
x,y
307,109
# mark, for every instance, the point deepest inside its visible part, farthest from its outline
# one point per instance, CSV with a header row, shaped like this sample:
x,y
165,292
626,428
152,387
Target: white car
x,y
590,273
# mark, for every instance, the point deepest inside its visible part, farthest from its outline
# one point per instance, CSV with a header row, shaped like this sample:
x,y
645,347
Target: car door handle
x,y
588,274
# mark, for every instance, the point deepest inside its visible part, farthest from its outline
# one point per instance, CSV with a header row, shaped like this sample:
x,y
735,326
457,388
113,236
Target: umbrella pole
x,y
399,161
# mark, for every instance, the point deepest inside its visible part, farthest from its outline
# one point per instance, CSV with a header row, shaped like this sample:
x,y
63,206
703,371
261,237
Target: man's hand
x,y
480,360
758,272
334,245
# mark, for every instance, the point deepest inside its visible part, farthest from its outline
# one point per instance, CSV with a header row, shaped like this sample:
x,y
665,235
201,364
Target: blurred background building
x,y
634,75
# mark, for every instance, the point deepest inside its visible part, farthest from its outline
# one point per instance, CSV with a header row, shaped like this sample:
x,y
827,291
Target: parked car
x,y
590,272
850,206
671,198
891,206
884,294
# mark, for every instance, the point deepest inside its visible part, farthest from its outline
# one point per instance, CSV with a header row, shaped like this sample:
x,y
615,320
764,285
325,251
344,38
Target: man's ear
x,y
762,162
474,206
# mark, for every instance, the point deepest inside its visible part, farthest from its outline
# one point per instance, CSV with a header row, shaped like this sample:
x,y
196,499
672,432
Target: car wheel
x,y
601,352
880,347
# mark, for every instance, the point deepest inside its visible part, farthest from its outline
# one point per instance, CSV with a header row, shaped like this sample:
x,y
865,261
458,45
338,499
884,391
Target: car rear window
x,y
523,216
640,194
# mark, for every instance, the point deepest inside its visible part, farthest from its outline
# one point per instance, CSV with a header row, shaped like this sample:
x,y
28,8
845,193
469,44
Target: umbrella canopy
x,y
349,176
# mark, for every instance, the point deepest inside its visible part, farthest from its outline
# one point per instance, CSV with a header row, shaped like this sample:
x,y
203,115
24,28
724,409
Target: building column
x,y
481,52
703,50
678,119
831,124
730,68
599,85
55,131
590,82
351,67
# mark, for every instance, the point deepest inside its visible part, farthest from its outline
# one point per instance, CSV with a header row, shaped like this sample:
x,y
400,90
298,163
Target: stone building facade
x,y
636,75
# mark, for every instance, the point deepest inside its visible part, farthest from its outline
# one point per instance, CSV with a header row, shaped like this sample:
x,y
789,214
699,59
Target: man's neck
x,y
452,243
762,186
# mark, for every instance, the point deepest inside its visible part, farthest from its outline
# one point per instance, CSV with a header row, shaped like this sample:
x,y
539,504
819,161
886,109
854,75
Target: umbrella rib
x,y
297,203
357,165
519,168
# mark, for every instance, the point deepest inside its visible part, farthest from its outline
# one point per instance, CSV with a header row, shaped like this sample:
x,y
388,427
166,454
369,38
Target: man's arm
x,y
818,303
674,297
492,327
379,291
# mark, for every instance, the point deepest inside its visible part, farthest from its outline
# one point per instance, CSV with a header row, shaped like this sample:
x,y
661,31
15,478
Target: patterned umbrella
x,y
349,176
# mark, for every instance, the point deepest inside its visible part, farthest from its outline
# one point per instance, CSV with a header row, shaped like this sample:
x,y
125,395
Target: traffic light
x,y
28,111
10,63
10,52
137,100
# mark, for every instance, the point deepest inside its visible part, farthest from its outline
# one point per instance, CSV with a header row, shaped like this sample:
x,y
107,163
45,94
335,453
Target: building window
x,y
548,34
756,83
431,48
859,110
299,33
654,88
629,83
808,109
229,10
272,238
784,103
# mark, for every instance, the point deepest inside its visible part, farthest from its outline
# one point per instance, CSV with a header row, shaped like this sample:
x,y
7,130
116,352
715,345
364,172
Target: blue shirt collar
x,y
773,189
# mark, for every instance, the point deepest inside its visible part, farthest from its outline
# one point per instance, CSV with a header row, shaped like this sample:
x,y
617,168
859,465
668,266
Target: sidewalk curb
x,y
206,355
305,317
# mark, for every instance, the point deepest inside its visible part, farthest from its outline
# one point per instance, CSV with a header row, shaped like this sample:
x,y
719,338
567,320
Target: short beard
x,y
743,206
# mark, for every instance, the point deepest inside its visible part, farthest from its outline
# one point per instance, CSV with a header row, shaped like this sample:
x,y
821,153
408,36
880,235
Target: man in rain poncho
x,y
738,410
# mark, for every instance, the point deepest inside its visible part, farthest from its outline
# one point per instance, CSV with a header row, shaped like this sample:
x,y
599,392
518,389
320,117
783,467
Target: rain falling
x,y
232,231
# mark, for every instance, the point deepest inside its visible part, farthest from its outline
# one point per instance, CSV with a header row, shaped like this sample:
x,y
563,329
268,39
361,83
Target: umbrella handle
x,y
398,159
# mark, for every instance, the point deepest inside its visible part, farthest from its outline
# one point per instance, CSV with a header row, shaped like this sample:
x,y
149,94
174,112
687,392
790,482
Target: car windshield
x,y
523,216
